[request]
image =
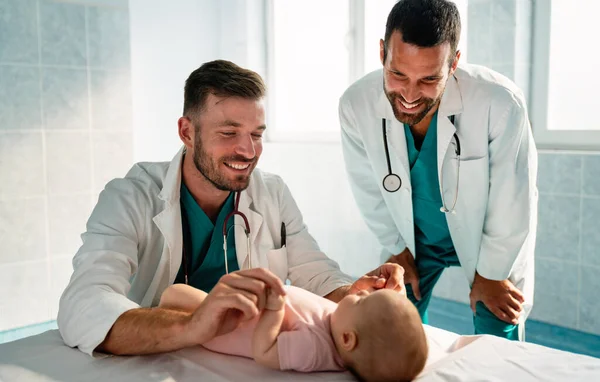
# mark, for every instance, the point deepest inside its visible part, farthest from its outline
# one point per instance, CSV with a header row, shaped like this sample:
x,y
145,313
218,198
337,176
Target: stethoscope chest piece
x,y
392,182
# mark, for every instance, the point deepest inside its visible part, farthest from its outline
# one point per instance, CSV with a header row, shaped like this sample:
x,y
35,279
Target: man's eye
x,y
257,136
228,134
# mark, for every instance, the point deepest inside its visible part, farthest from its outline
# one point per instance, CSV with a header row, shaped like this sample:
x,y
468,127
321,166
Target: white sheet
x,y
44,358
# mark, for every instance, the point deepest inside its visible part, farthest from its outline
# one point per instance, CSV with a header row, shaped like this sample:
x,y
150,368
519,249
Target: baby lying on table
x,y
377,336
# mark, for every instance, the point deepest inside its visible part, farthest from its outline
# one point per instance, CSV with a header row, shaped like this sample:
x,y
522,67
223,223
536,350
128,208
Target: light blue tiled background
x,y
65,129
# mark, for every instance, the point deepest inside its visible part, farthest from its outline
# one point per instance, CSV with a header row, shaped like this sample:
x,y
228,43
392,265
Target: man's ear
x,y
454,63
186,131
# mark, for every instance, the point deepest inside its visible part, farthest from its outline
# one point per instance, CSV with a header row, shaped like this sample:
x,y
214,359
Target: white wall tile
x,y
20,106
67,216
18,31
62,32
22,230
108,37
65,99
111,100
556,292
68,162
24,292
21,166
113,156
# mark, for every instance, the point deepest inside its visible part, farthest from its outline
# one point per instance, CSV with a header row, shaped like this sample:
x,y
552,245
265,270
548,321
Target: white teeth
x,y
409,105
238,166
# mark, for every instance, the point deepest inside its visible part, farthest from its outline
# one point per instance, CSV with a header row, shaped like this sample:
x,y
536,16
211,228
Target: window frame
x,y
545,138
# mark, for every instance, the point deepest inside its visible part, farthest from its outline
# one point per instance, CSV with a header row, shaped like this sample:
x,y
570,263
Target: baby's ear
x,y
349,340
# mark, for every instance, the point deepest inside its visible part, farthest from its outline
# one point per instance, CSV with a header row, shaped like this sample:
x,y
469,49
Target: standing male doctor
x,y
443,167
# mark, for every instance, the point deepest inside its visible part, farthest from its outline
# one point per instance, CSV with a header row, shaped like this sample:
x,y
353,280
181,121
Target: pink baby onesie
x,y
305,343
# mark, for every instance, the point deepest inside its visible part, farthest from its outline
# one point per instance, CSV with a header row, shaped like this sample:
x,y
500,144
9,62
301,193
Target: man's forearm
x,y
338,294
147,331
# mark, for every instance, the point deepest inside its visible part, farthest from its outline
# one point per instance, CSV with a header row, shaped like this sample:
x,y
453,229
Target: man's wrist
x,y
187,329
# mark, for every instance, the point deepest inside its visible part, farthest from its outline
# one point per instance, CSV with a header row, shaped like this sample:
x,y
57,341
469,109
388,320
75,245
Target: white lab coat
x,y
132,249
494,227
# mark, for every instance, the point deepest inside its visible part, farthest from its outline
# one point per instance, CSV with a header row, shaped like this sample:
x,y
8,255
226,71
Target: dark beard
x,y
410,119
210,171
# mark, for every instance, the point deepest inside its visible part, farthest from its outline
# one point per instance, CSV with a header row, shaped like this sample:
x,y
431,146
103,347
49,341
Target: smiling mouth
x,y
409,105
237,166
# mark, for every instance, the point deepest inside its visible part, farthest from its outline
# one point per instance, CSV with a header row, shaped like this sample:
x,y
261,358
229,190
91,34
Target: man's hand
x,y
388,276
501,297
237,297
411,276
275,301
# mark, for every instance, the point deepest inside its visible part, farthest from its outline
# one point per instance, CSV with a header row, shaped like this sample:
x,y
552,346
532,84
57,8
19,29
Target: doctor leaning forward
x,y
442,164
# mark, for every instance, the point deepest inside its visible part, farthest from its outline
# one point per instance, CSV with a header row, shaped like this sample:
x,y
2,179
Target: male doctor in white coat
x,y
163,224
443,167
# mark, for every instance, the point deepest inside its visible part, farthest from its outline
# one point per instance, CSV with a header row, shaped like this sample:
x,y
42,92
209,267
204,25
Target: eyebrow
x,y
229,122
437,75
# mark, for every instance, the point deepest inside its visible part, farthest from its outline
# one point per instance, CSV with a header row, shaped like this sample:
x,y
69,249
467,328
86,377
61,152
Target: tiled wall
x,y
65,129
568,242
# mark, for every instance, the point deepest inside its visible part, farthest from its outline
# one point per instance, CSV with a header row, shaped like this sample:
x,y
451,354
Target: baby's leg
x,y
182,297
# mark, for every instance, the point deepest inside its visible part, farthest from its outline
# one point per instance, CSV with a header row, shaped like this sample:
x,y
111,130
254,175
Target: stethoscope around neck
x,y
187,237
392,182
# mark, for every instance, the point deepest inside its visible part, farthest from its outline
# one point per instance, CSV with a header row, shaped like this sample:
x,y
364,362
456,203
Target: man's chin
x,y
240,183
408,119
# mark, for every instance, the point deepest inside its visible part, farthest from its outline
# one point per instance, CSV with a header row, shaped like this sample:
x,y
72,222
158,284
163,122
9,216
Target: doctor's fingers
x,y
260,274
513,303
255,289
516,293
513,315
394,274
505,313
239,300
499,313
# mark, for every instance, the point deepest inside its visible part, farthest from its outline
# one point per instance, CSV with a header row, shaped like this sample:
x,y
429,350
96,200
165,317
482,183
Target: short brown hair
x,y
223,79
424,23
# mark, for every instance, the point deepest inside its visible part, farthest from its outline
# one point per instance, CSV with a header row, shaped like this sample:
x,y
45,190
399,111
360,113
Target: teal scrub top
x,y
207,260
431,228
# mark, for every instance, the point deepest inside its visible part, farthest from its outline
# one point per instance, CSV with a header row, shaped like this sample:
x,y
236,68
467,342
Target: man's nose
x,y
245,147
410,92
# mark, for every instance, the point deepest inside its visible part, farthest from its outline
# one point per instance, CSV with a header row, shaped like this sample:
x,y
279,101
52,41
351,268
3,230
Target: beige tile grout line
x,y
44,164
90,106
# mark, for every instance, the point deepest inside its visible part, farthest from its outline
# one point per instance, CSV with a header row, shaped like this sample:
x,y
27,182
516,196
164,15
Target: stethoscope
x,y
187,237
392,182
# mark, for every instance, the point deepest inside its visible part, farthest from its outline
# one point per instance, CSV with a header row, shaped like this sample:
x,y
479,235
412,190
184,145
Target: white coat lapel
x,y
255,221
168,222
451,105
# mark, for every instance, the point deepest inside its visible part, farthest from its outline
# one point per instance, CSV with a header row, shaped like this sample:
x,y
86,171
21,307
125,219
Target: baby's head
x,y
380,336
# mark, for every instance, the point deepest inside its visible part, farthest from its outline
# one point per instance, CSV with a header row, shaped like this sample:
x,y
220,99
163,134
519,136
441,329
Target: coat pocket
x,y
278,262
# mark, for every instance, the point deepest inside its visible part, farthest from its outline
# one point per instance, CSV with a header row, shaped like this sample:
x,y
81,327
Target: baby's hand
x,y
275,301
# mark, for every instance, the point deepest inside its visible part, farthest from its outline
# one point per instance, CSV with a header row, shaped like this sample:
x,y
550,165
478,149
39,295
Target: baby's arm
x,y
264,340
182,297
